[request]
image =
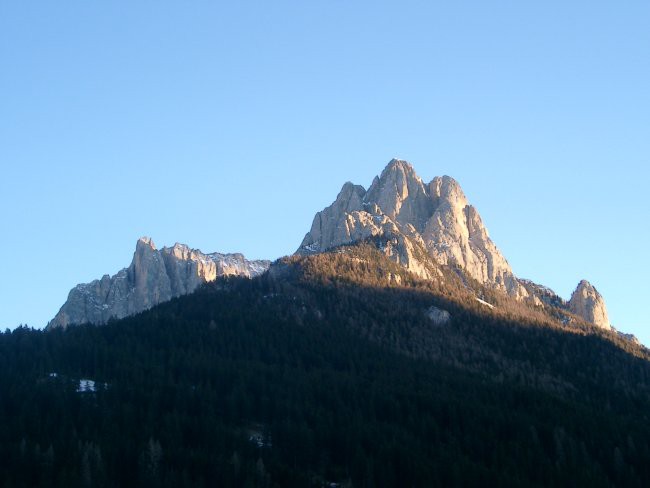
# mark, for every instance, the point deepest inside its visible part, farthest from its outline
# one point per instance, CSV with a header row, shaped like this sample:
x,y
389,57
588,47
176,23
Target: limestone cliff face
x,y
421,222
435,217
590,305
154,276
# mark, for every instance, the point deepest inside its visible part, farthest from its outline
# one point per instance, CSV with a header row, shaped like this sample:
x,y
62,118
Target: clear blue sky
x,y
227,125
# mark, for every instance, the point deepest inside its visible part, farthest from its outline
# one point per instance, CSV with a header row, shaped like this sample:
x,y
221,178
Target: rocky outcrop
x,y
435,218
154,276
542,294
587,303
438,316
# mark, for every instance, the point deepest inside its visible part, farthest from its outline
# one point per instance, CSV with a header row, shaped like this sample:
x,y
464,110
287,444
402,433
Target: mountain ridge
x,y
154,276
438,218
325,369
422,226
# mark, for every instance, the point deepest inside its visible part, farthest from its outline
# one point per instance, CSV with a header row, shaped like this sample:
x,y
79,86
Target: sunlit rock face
x,y
153,277
587,303
435,217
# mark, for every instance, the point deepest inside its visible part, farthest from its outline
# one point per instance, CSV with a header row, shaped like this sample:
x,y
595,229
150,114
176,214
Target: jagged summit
x,y
419,225
435,222
154,276
146,241
435,217
589,304
398,165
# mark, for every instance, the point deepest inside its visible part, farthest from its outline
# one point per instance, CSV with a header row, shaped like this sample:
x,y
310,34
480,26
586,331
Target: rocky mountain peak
x,y
435,217
398,166
179,251
350,197
144,243
432,221
154,276
445,189
589,304
399,192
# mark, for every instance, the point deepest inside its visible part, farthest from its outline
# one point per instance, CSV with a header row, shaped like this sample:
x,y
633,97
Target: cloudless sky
x,y
228,125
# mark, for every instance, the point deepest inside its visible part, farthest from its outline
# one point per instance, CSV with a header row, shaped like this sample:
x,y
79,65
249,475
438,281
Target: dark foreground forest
x,y
323,373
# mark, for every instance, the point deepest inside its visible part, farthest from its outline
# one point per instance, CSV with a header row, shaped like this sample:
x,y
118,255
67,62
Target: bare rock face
x,y
590,305
435,217
438,316
423,223
153,277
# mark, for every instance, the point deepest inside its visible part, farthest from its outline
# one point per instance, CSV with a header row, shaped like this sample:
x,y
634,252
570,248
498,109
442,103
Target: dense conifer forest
x,y
326,371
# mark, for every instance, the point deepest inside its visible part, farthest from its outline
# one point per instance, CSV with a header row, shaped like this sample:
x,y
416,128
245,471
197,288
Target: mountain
x,y
423,222
339,368
395,348
154,276
421,226
435,217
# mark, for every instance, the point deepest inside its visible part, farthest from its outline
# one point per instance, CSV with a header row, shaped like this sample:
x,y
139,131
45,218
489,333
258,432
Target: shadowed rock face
x,y
435,216
154,276
590,305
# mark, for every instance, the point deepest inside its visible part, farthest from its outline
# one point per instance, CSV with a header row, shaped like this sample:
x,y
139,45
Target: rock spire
x,y
587,303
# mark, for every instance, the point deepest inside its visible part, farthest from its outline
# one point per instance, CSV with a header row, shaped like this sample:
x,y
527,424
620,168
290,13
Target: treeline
x,y
323,371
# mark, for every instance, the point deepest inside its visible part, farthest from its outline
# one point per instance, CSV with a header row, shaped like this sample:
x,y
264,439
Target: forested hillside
x,y
327,369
